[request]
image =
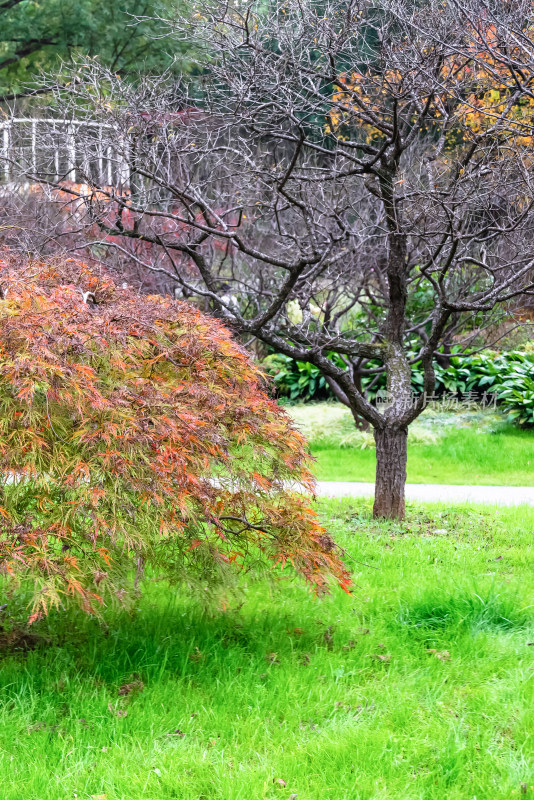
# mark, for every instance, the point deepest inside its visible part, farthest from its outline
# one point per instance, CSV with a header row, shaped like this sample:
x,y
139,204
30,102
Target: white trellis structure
x,y
53,149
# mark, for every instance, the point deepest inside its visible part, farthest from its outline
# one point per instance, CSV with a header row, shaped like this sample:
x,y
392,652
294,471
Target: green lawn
x,y
461,456
469,448
421,685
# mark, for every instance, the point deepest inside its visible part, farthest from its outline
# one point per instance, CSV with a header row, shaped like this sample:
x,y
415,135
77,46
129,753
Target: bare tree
x,y
343,177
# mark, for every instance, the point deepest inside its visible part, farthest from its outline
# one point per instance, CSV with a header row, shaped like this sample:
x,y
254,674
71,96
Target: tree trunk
x,y
391,454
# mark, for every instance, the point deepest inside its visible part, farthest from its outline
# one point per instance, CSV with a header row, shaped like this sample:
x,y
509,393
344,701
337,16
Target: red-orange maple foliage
x,y
135,431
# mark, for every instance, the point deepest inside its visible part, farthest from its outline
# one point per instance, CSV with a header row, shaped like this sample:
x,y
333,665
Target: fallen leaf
x,y
118,712
38,726
280,782
292,797
272,658
351,644
177,732
128,688
197,655
328,637
384,658
443,655
98,796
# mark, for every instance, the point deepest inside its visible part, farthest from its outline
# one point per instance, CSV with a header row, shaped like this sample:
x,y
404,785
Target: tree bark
x,y
391,455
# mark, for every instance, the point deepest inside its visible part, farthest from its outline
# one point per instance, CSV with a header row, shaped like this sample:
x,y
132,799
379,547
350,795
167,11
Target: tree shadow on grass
x,y
471,611
169,635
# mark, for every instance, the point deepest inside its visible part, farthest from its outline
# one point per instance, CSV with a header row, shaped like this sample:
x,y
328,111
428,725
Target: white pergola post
x,y
5,149
109,156
100,154
71,154
124,163
55,142
34,146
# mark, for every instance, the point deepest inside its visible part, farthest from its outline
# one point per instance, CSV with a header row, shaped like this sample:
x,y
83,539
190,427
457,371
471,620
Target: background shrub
x,y
509,376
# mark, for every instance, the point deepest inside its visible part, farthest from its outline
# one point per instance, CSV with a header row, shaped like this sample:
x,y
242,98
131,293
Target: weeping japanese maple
x,y
135,432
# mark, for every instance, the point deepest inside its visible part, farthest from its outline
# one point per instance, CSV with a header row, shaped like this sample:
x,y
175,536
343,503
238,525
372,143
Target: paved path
x,y
436,492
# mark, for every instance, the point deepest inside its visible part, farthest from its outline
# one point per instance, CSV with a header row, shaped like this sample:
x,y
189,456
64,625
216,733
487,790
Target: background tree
x,y
135,432
338,162
38,34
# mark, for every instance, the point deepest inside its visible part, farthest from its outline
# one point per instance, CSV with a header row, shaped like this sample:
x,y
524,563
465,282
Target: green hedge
x,y
509,376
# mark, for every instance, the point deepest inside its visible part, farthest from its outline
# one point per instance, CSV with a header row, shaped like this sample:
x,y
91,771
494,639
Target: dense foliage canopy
x,y
135,432
38,34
